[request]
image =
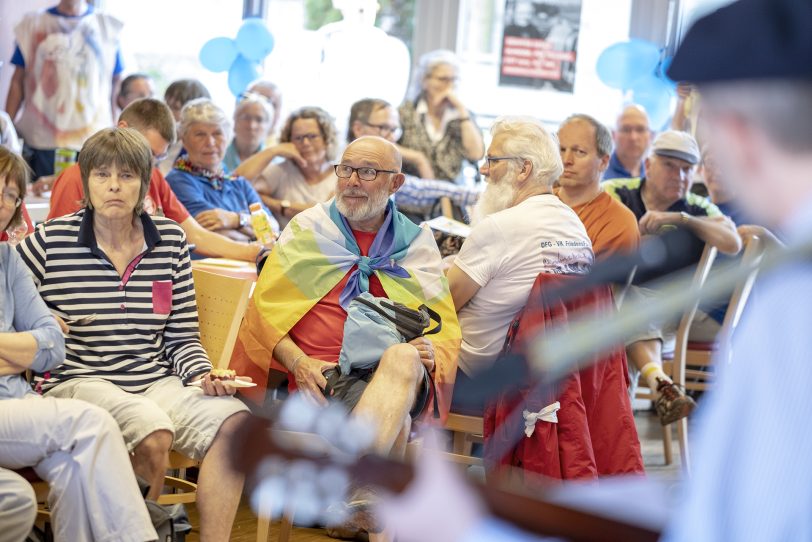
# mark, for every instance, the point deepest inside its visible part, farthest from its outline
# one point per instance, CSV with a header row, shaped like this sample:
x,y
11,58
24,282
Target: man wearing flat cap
x,y
752,478
662,201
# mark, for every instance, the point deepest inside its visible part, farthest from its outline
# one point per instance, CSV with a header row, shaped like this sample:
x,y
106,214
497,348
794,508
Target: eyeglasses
x,y
364,173
10,199
446,80
246,117
633,130
385,129
309,137
490,159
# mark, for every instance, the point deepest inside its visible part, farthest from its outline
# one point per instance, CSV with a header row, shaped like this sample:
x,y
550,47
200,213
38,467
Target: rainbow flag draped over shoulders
x,y
313,254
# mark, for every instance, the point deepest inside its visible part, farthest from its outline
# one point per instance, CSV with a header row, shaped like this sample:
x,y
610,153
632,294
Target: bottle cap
x,y
255,207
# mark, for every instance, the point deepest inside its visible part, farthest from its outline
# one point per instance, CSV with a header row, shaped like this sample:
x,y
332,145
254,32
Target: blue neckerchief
x,y
389,246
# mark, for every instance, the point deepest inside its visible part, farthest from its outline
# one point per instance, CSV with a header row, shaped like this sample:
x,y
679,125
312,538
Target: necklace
x,y
214,178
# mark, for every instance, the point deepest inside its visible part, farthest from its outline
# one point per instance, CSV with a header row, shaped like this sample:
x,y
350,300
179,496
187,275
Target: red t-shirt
x,y
320,332
67,194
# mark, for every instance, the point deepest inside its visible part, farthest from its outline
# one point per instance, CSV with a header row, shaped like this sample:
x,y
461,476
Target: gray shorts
x,y
703,327
348,389
192,417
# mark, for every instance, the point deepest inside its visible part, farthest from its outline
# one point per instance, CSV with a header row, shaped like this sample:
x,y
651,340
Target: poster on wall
x,y
540,43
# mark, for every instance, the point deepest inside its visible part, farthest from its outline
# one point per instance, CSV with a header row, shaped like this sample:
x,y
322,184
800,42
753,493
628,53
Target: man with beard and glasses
x,y
357,243
520,229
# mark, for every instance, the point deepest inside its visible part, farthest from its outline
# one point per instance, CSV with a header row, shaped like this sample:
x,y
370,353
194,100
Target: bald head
x,y
632,135
375,149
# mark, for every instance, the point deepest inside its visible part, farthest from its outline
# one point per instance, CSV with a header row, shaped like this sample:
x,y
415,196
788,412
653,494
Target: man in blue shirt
x,y
632,137
752,476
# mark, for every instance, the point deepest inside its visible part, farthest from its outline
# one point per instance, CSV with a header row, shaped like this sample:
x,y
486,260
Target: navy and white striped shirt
x,y
146,323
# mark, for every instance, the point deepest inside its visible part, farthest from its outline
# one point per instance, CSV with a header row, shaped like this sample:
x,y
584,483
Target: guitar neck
x,y
256,440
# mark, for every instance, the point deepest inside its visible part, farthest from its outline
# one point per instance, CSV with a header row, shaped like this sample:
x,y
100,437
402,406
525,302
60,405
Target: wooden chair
x,y
221,304
693,361
465,431
700,275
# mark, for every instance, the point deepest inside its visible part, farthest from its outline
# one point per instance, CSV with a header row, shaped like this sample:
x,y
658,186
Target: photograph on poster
x,y
539,44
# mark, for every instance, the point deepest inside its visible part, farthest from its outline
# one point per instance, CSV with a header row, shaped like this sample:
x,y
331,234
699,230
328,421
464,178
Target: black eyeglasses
x,y
385,129
364,173
490,159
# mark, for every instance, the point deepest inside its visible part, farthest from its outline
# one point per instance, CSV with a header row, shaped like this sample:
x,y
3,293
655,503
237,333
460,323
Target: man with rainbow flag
x,y
329,254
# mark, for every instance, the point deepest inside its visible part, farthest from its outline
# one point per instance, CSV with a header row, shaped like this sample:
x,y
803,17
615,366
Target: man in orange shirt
x,y
155,122
585,146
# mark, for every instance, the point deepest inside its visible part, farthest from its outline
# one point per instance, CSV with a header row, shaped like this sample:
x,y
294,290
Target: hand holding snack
x,y
222,382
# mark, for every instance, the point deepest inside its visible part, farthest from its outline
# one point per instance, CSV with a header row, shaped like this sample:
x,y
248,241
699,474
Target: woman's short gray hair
x,y
526,138
426,65
250,98
205,111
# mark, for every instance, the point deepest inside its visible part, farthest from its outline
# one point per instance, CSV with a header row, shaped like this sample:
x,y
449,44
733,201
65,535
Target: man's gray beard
x,y
495,198
372,207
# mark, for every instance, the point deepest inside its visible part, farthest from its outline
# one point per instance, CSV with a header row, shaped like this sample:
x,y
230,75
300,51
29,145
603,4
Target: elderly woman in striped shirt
x,y
124,278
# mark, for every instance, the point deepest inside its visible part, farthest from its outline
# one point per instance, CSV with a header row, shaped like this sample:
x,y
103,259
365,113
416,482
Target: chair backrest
x,y
753,252
700,276
221,304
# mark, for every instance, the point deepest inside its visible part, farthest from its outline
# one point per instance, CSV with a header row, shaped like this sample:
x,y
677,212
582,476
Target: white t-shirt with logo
x,y
504,254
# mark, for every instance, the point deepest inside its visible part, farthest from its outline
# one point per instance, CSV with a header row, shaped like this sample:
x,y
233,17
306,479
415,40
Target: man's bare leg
x,y
219,487
644,353
150,459
389,397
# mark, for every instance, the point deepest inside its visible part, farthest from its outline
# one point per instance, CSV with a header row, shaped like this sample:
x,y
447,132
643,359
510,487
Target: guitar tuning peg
x,y
357,436
298,414
331,423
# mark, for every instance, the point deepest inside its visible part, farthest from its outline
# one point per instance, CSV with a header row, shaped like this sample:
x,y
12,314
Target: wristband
x,y
245,220
296,362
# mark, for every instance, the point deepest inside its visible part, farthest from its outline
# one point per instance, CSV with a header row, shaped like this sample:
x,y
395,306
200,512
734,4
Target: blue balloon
x,y
218,54
242,73
254,40
621,64
654,95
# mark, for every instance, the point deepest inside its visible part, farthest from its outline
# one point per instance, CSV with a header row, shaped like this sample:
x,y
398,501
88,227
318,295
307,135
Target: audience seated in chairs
x,y
661,201
153,119
74,446
308,144
521,229
218,200
418,196
135,350
328,255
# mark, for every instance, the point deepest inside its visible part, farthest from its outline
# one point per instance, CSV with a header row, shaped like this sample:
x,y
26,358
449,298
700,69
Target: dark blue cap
x,y
749,39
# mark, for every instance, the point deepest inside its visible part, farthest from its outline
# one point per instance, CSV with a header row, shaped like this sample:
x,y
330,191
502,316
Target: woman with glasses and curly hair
x,y
305,176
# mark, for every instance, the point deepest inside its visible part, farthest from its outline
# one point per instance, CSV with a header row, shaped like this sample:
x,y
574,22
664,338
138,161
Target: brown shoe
x,y
360,519
672,404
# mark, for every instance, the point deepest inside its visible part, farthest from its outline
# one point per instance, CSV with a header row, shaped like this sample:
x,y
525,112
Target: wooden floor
x,y
648,427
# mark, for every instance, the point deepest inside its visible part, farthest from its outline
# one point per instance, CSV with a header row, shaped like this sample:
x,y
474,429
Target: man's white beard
x,y
495,198
372,207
